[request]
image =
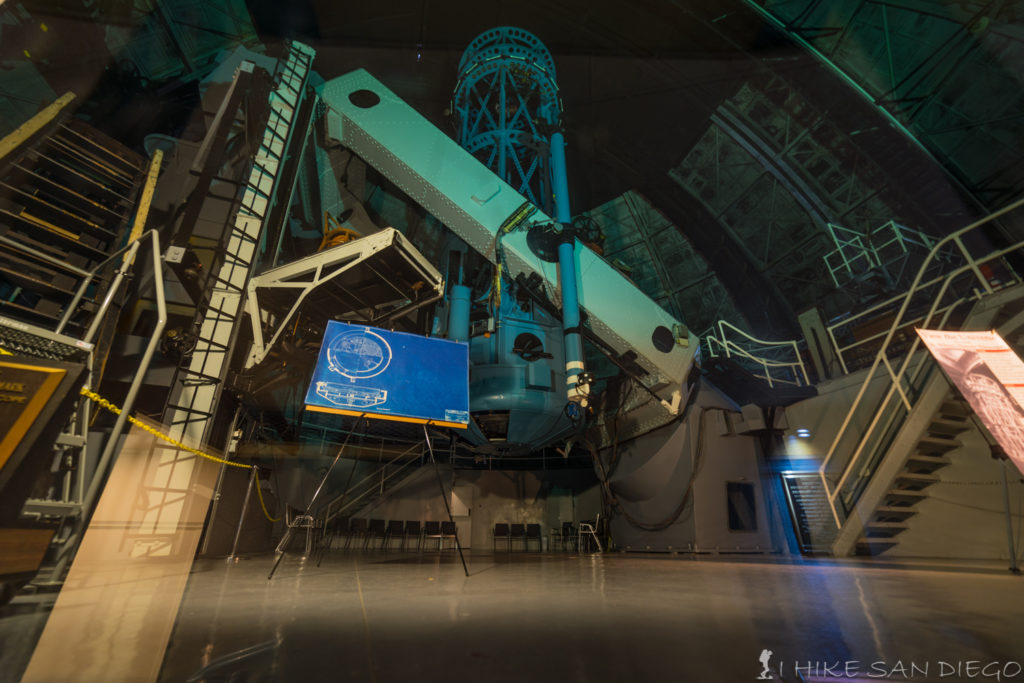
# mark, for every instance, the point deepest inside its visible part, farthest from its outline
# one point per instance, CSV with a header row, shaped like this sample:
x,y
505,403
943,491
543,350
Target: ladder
x,y
195,395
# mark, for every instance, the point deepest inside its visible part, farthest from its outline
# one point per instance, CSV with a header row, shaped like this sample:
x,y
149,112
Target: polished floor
x,y
382,617
567,617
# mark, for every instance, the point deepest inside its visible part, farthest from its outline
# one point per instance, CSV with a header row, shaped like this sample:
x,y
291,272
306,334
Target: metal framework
x,y
456,188
888,250
661,260
944,74
775,172
506,106
778,361
180,38
194,403
385,261
928,303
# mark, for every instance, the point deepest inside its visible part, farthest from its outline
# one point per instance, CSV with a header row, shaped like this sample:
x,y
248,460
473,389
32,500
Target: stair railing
x,y
373,483
756,351
87,495
900,395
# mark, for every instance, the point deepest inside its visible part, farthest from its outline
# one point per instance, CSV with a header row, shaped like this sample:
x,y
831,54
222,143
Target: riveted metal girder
x,y
473,202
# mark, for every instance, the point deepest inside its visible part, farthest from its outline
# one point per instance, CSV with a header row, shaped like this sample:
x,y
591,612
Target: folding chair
x,y
413,529
338,527
517,531
395,528
376,529
501,531
433,530
589,529
533,533
357,528
568,535
448,530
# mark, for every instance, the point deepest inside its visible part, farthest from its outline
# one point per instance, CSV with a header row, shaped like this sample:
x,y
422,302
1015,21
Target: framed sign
x,y
990,376
391,375
37,397
25,391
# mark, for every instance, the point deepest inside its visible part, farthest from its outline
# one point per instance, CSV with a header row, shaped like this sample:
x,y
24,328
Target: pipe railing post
x,y
241,516
105,461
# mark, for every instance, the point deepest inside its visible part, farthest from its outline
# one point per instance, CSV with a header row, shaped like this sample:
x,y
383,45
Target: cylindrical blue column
x,y
560,179
567,274
505,104
458,313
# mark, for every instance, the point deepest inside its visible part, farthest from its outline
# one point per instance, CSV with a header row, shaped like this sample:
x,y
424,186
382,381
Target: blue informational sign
x,y
391,375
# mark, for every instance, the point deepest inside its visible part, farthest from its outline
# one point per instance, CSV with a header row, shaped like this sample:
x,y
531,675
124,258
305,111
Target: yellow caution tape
x,y
104,403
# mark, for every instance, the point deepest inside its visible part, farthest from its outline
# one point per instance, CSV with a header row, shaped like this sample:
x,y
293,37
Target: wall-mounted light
x,y
803,433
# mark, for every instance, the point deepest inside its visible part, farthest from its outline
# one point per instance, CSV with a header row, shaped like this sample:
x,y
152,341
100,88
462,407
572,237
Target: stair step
x,y
936,444
925,464
955,409
889,513
915,480
905,496
875,530
874,546
944,425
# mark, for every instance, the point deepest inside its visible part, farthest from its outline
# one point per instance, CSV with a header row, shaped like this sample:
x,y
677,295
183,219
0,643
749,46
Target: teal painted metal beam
x,y
473,202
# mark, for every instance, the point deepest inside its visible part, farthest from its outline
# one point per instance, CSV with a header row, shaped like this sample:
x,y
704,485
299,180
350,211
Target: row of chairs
x,y
369,530
522,532
583,538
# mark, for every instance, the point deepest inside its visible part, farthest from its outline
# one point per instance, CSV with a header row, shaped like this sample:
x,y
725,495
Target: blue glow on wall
x,y
391,375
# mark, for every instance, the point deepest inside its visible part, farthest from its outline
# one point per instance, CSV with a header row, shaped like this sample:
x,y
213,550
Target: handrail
x,y
731,347
329,514
881,357
725,323
130,249
840,350
871,311
854,241
113,438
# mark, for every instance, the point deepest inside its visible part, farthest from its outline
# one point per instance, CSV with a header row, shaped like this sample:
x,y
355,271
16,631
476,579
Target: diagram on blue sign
x,y
349,396
357,355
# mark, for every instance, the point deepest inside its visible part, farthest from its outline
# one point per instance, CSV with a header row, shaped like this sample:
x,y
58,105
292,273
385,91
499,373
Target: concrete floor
x,y
21,624
403,617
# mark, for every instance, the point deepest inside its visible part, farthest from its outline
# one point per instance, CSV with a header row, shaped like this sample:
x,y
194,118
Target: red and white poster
x,y
991,377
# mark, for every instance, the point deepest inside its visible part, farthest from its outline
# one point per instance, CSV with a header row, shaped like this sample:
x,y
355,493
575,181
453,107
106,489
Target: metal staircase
x,y
890,450
377,484
67,198
884,492
73,210
197,387
910,486
812,518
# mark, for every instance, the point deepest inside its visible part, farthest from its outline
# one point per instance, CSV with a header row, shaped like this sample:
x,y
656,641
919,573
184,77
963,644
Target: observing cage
x,y
506,105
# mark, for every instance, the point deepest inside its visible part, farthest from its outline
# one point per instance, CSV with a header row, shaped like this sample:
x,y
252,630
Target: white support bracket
x,y
306,275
